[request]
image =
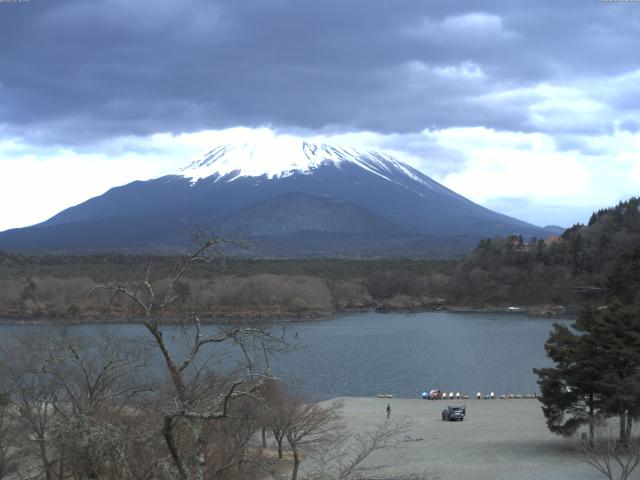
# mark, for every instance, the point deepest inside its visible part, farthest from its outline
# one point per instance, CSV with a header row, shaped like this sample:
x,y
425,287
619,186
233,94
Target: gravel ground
x,y
499,439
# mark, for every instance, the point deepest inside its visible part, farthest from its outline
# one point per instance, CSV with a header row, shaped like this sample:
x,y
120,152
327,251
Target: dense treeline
x,y
551,275
51,286
570,270
120,267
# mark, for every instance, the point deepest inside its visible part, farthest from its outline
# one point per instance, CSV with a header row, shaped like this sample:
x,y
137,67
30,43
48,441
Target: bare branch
x,y
614,459
119,290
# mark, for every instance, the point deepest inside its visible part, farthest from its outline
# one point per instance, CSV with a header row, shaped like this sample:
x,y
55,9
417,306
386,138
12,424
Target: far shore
x,y
545,311
498,439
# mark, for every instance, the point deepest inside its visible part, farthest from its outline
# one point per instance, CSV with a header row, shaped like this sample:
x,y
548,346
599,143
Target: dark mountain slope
x,y
298,212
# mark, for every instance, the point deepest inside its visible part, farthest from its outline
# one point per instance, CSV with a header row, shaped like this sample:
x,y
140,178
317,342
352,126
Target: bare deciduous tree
x,y
306,425
8,453
199,396
73,404
34,396
274,413
614,459
348,455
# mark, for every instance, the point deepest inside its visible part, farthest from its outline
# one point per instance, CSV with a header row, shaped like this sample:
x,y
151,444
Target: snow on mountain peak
x,y
283,157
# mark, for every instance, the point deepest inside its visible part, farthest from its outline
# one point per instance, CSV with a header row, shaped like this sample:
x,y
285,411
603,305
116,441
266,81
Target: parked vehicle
x,y
431,395
452,413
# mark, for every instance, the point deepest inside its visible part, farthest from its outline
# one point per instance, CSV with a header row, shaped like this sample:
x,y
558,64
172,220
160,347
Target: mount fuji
x,y
285,198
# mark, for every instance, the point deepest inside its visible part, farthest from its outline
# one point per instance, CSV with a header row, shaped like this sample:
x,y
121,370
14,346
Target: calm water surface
x,y
402,354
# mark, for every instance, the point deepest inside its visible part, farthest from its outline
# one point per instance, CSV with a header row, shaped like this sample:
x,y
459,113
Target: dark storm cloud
x,y
75,71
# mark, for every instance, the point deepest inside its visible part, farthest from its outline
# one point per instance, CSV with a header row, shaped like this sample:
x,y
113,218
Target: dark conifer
x,y
597,360
570,391
624,281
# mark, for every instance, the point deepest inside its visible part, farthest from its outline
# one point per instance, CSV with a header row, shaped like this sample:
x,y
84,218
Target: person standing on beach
x,y
388,410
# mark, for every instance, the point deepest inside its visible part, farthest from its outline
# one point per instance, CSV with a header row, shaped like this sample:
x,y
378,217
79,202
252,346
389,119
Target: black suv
x,y
454,413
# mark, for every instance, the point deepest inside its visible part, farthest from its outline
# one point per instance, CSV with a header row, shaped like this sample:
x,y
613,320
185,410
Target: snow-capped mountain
x,y
284,159
288,198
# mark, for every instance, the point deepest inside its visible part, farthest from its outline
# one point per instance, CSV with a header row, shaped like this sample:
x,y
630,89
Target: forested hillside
x,y
566,270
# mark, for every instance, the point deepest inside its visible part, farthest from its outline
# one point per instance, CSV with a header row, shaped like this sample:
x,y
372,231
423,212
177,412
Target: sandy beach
x,y
499,439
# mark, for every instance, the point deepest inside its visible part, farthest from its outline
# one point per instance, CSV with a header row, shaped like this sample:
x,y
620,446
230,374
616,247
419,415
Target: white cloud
x,y
36,184
513,164
460,71
417,72
473,23
593,104
468,28
530,168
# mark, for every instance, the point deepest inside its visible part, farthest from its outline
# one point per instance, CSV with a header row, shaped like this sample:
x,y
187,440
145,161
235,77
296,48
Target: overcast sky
x,y
531,108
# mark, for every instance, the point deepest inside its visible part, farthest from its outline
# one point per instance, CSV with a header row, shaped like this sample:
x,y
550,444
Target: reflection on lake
x,y
402,354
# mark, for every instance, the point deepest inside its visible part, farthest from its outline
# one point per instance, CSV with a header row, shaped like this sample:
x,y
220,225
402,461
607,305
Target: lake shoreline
x,y
262,317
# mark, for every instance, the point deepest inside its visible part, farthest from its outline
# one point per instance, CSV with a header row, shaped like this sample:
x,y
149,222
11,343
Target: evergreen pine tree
x,y
570,391
597,360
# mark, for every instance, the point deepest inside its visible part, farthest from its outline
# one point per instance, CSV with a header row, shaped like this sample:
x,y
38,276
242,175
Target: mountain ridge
x,y
230,185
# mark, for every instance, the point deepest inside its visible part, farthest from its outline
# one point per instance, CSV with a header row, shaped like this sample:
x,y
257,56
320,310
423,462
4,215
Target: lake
x,y
402,354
